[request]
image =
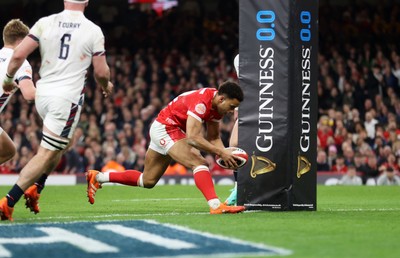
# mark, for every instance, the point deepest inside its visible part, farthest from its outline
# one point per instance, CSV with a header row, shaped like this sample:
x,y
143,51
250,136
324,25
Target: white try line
x,y
119,215
157,199
167,239
362,210
147,237
279,251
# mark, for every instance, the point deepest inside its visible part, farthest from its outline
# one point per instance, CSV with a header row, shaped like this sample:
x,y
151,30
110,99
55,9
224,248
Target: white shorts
x,y
59,115
163,137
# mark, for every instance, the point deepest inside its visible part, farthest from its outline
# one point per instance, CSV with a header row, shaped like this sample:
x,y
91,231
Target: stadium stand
x,y
154,58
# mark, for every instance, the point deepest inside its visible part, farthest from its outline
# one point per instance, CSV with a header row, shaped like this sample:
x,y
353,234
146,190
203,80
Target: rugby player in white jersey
x,y
69,43
13,33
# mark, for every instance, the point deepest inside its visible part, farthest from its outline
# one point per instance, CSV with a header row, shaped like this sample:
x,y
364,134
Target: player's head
x,y
231,90
229,97
14,31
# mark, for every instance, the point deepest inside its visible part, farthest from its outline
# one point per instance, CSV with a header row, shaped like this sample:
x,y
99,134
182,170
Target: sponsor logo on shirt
x,y
200,108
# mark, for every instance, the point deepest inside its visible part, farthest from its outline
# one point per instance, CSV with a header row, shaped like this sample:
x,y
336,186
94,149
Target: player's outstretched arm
x,y
102,74
213,134
28,89
21,52
194,135
196,139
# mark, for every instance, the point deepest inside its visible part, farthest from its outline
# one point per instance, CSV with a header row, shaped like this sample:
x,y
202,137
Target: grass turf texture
x,y
350,222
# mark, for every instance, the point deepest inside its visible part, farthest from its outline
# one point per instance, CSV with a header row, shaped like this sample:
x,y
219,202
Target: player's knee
x,y
53,143
199,161
9,153
200,166
149,183
12,151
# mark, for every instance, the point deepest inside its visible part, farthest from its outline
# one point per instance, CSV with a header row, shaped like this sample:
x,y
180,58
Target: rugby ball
x,y
240,156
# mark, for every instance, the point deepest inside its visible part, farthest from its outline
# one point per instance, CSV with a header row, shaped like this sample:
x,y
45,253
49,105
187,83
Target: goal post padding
x,y
278,46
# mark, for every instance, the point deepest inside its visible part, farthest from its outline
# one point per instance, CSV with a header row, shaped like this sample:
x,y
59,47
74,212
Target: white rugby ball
x,y
240,156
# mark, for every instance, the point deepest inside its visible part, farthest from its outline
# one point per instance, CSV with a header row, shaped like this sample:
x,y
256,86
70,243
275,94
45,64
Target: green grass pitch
x,y
362,221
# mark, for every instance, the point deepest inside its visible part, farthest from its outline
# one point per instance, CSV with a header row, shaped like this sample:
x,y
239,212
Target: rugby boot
x,y
5,210
232,199
32,199
223,208
92,184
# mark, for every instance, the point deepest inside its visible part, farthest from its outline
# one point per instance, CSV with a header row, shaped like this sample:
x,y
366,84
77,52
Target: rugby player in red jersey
x,y
177,133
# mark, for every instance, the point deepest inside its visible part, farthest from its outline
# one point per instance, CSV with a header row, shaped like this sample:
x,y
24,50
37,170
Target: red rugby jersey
x,y
196,103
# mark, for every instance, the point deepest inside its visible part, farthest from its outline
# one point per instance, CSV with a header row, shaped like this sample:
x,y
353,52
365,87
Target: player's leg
x,y
7,147
44,161
190,157
154,167
95,179
156,162
60,119
233,142
234,139
7,151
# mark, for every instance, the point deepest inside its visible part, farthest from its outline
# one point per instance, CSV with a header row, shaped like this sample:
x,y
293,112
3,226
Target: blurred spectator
x,y
332,154
322,163
350,178
370,169
339,166
324,131
369,125
359,161
112,166
388,177
348,154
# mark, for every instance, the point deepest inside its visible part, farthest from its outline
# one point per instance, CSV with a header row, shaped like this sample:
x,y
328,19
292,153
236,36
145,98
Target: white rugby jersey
x,y
24,72
67,42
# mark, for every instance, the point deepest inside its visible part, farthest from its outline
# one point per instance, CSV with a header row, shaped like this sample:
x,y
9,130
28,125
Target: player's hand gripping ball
x,y
240,156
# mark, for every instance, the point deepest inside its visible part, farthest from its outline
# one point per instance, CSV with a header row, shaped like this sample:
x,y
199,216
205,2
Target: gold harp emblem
x,y
261,165
303,166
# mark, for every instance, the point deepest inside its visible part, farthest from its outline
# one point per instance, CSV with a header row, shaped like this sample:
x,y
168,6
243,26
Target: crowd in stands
x,y
153,58
359,90
180,52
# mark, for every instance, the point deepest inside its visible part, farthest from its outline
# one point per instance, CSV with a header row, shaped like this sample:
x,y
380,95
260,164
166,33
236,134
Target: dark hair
x,y
231,90
351,166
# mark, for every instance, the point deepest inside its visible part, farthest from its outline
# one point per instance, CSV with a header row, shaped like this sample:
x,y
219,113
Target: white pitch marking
x,y
371,209
187,214
4,253
57,235
157,199
279,251
119,215
147,237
